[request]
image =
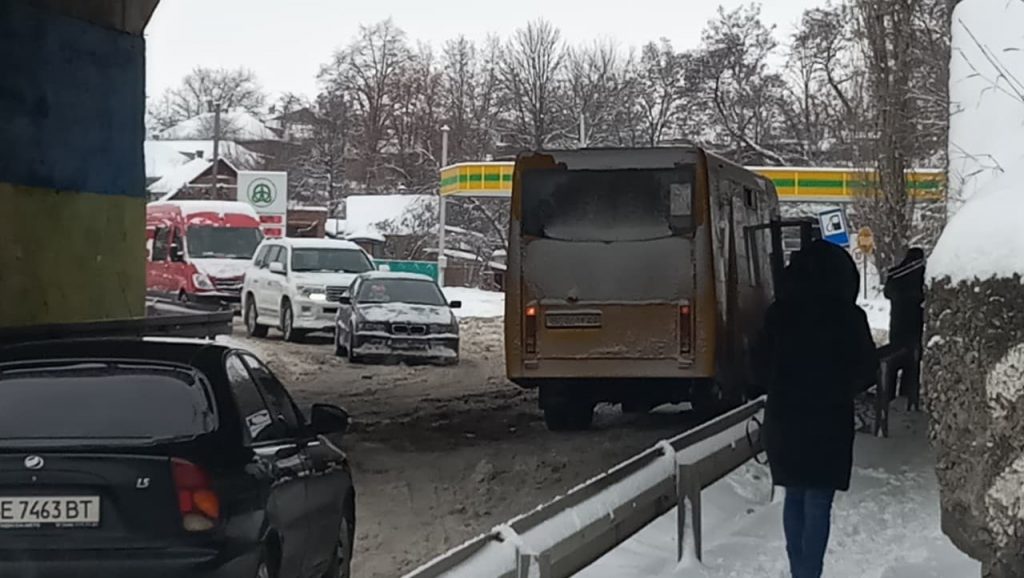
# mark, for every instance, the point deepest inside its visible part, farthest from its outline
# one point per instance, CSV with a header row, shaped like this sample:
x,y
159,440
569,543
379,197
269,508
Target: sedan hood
x,y
405,313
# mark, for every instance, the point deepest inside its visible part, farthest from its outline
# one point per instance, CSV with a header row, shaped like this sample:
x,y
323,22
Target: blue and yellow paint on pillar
x,y
72,184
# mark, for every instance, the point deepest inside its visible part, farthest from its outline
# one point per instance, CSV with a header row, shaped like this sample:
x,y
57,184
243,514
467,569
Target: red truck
x,y
198,251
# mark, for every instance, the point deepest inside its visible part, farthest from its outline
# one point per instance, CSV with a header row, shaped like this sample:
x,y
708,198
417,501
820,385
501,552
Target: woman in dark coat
x,y
815,354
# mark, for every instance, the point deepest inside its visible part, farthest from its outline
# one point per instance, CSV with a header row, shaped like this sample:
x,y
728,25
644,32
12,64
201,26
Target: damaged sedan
x,y
392,317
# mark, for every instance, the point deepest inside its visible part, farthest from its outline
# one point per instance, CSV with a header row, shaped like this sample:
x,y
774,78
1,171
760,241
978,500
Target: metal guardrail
x,y
162,319
563,536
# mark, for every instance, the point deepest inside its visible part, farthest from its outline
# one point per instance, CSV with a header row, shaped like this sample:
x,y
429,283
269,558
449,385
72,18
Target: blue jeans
x,y
806,518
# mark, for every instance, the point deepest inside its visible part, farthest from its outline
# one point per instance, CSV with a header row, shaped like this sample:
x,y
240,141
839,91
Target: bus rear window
x,y
94,403
607,205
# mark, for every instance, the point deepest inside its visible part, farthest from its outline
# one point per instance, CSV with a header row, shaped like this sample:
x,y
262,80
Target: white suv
x,y
294,284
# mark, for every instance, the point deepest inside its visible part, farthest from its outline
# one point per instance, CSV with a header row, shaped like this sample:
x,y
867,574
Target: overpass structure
x,y
794,184
72,177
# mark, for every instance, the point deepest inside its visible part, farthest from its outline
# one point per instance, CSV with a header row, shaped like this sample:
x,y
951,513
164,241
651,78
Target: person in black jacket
x,y
815,354
904,287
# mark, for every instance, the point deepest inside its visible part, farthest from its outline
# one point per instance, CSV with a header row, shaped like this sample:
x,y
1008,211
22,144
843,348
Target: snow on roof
x,y
366,235
161,158
229,149
189,208
984,239
173,182
237,125
455,254
366,212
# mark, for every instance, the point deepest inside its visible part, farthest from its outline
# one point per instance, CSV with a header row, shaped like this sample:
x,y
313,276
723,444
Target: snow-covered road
x,y
887,526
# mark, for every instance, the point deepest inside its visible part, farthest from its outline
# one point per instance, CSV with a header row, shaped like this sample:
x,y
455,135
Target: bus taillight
x,y
531,329
685,328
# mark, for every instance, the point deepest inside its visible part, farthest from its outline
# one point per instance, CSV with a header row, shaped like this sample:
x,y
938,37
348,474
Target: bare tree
x,y
824,108
531,71
231,89
901,47
745,94
660,89
369,72
598,82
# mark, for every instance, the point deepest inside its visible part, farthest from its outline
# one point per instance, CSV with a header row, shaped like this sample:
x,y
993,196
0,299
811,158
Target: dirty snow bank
x,y
887,526
477,302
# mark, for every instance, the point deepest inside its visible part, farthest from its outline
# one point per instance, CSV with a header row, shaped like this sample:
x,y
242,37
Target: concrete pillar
x,y
72,184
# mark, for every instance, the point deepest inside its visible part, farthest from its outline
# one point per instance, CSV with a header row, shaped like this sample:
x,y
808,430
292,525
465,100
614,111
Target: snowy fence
x,y
562,537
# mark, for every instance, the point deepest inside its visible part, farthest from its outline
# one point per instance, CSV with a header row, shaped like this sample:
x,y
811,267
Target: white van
x,y
294,284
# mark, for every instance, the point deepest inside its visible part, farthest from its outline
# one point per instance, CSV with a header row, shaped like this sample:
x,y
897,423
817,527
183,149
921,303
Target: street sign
x,y
834,228
866,240
267,193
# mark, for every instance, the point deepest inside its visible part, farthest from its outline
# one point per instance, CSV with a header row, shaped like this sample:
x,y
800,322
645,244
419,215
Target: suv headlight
x,y
315,292
201,281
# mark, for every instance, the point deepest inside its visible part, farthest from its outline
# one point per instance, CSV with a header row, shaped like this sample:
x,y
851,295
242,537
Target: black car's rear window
x,y
103,403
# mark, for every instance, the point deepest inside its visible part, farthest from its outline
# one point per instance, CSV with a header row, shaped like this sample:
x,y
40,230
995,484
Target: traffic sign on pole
x,y
834,228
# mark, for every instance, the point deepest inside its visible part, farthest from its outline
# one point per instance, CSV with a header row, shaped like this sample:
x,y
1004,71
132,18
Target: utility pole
x,y
442,259
216,147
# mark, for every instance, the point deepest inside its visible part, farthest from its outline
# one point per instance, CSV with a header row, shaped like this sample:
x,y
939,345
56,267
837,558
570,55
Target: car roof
x,y
312,243
387,275
161,349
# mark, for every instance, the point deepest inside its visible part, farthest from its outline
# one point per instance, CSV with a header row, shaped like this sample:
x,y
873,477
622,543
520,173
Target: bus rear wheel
x,y
569,416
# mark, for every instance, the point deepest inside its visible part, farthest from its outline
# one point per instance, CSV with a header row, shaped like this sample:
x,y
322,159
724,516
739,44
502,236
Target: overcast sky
x,y
285,41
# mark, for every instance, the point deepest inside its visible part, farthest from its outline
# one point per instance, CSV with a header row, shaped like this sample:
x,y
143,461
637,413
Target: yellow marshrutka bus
x,y
636,276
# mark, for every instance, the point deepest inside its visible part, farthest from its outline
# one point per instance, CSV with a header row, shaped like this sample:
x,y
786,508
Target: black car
x,y
149,457
396,316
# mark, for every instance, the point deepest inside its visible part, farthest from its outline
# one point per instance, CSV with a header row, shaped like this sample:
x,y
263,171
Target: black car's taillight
x,y
685,328
531,329
197,501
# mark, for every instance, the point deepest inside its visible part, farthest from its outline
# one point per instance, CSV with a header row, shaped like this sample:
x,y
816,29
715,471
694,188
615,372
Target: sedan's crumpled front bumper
x,y
380,345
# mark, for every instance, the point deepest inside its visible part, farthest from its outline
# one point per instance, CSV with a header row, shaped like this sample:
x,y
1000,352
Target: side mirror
x,y
177,256
455,305
277,267
345,299
326,419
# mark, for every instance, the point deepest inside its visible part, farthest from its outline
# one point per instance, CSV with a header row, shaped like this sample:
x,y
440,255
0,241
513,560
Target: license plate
x,y
407,345
59,511
572,320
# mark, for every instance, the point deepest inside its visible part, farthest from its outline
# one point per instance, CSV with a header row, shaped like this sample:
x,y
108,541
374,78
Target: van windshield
x,y
222,242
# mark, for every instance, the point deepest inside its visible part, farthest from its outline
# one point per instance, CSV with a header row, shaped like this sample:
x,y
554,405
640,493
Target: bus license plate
x,y
572,320
60,511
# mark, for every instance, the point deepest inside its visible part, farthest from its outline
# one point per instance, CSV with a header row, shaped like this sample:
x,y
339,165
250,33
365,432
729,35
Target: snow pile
x,y
986,133
477,303
239,126
985,238
886,526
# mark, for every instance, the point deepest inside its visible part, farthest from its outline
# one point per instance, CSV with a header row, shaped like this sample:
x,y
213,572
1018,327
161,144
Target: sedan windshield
x,y
401,291
222,242
330,260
